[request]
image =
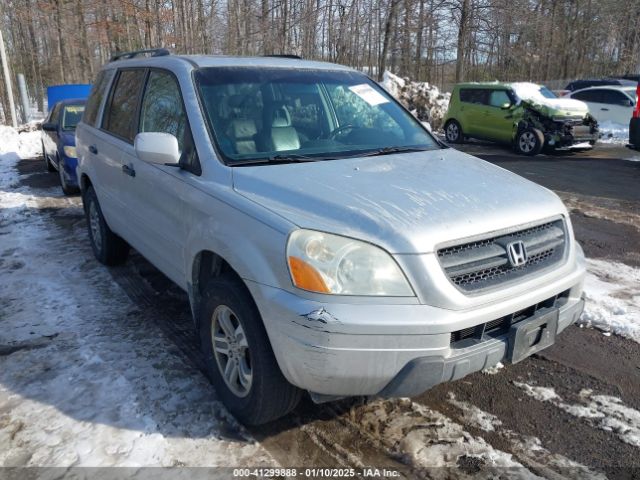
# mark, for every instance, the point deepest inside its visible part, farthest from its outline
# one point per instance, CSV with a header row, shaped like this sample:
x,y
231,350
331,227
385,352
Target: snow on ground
x,y
528,449
428,440
86,379
613,298
425,101
602,411
616,133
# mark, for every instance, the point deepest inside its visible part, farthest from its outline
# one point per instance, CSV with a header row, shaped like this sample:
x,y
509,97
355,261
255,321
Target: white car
x,y
611,103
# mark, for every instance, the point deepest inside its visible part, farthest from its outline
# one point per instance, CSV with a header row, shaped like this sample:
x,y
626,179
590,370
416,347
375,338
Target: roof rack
x,y
155,52
284,55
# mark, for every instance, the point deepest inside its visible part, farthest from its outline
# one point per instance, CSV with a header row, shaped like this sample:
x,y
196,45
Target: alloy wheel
x,y
231,349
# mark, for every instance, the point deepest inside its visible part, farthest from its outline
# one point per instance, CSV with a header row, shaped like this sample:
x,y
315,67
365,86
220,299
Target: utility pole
x,y
7,81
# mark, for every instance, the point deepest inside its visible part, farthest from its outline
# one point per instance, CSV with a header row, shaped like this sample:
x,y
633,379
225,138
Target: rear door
x,y
111,142
473,106
155,194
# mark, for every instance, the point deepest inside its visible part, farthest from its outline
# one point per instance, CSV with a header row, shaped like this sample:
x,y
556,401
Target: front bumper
x,y
364,348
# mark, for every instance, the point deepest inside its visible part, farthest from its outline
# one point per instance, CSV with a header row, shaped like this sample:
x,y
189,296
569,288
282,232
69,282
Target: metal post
x,y
24,99
7,81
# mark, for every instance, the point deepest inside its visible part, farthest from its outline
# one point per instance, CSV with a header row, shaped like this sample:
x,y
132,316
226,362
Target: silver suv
x,y
327,241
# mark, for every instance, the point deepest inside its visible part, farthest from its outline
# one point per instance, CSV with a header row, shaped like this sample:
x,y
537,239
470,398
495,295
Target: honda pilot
x,y
327,241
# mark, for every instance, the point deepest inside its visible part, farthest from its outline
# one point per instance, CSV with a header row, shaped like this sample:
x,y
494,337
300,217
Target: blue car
x,y
59,142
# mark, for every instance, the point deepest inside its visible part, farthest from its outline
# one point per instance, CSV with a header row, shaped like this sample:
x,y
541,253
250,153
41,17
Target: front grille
x,y
483,264
500,326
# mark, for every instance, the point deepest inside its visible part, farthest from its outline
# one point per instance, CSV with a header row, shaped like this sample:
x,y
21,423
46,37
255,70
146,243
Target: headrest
x,y
235,101
281,117
242,129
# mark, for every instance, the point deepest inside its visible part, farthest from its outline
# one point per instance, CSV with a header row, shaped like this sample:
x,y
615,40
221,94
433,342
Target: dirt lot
x,y
486,422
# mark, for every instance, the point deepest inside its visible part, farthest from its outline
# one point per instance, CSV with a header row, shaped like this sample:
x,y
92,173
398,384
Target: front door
x,y
155,194
499,120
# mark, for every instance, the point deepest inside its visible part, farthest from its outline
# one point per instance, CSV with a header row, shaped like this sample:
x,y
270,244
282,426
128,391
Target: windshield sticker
x,y
75,109
368,94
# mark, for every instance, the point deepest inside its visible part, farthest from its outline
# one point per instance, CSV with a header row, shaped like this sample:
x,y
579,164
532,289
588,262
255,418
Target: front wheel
x,y
529,141
108,247
238,354
453,132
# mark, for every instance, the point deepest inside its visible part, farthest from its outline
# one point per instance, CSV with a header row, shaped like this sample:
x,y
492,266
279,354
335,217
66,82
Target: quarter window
x,y
120,117
95,99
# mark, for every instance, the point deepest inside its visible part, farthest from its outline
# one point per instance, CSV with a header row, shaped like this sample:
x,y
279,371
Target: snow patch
x,y
615,133
613,298
86,379
601,411
528,449
427,439
493,370
425,101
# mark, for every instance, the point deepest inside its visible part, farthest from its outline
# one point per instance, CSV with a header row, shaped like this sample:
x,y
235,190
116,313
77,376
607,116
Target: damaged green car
x,y
526,115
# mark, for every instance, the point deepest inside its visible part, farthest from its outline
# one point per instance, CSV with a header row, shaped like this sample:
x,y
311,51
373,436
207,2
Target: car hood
x,y
406,203
560,106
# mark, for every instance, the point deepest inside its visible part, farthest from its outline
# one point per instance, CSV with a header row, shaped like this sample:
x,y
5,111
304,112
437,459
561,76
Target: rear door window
x,y
479,96
594,96
120,117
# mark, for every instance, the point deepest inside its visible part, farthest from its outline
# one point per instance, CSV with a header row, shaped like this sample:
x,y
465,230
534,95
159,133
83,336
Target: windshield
x,y
71,115
532,92
275,114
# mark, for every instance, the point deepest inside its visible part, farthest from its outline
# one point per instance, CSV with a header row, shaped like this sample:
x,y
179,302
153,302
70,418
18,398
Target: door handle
x,y
128,170
93,149
604,109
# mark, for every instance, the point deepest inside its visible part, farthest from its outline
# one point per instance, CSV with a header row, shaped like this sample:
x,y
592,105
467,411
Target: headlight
x,y
325,263
70,151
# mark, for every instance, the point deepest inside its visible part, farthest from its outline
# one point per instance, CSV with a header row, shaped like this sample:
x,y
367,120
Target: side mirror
x,y
157,147
50,127
505,106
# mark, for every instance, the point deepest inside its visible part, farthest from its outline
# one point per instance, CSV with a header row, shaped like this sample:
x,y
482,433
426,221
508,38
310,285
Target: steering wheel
x,y
337,131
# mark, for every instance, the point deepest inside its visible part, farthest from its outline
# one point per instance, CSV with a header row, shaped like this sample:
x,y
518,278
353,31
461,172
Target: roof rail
x,y
155,52
284,55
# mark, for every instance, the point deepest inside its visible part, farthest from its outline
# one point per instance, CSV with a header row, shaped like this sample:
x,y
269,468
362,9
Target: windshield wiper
x,y
280,158
392,150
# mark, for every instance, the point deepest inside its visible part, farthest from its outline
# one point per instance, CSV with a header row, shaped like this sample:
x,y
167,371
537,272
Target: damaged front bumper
x,y
361,348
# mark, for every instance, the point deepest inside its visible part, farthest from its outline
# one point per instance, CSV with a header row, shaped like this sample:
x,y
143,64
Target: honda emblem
x,y
517,253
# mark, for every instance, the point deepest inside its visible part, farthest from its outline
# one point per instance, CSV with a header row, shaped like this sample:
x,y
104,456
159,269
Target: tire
x,y
453,132
50,168
264,395
529,141
66,188
108,247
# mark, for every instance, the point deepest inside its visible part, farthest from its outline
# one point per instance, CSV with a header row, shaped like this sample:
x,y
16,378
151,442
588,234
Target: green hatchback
x,y
526,115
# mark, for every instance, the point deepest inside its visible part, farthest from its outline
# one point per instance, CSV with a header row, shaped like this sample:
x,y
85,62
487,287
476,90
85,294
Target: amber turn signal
x,y
306,277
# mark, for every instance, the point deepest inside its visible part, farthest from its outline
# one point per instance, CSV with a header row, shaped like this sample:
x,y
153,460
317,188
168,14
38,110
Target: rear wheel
x,y
453,132
50,168
529,141
108,247
239,357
